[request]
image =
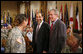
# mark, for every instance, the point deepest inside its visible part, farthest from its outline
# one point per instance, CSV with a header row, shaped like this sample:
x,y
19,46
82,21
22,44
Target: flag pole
x,y
56,4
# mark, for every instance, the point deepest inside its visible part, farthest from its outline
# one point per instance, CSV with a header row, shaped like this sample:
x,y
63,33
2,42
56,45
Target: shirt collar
x,y
55,21
40,24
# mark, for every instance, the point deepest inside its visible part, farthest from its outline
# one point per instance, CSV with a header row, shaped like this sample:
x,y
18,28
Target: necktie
x,y
51,26
37,29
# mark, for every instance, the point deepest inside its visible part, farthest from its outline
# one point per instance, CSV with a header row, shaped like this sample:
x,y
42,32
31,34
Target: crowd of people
x,y
42,37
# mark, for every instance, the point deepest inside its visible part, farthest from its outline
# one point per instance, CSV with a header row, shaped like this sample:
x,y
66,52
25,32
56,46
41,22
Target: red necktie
x,y
51,26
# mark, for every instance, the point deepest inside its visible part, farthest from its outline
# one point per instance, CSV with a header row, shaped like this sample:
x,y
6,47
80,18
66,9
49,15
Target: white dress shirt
x,y
55,21
39,25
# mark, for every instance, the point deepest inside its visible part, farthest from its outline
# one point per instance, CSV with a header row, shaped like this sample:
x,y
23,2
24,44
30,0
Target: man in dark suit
x,y
41,34
57,33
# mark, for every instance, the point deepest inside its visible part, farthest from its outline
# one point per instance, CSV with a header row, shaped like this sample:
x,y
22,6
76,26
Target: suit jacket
x,y
42,38
57,37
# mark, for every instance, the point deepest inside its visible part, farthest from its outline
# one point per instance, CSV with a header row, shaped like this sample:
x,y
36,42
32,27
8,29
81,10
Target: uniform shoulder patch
x,y
19,40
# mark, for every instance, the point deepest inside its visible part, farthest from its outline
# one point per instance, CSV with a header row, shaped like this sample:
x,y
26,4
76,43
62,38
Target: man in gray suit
x,y
57,33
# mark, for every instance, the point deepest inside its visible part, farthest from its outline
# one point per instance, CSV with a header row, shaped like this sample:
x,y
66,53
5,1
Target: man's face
x,y
39,18
52,15
68,30
9,27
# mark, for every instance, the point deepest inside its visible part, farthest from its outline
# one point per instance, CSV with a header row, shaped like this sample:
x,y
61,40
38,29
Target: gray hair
x,y
55,11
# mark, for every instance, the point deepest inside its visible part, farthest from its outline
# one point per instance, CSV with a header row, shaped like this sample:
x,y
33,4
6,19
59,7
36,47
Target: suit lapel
x,y
41,27
54,26
35,30
39,31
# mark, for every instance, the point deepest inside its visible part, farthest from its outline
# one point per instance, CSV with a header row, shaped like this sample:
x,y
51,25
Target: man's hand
x,y
44,52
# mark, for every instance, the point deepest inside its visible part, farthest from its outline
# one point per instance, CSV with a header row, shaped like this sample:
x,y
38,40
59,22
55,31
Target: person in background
x,y
78,48
15,41
2,49
28,39
68,30
57,32
2,37
73,42
67,49
9,27
41,32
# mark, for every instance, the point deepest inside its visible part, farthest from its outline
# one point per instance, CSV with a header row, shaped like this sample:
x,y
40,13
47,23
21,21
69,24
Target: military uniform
x,y
79,49
4,35
66,48
15,42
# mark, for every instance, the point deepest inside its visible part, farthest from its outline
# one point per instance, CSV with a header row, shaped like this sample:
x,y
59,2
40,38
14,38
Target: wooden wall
x,y
11,6
14,7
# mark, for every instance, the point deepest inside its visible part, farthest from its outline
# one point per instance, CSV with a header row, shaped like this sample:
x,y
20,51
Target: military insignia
x,y
19,40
